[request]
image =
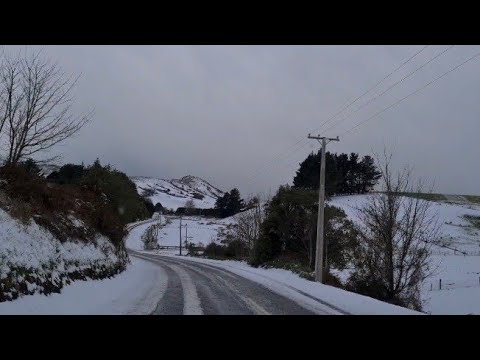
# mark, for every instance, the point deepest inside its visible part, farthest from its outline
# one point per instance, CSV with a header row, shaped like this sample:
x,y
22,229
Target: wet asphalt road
x,y
200,289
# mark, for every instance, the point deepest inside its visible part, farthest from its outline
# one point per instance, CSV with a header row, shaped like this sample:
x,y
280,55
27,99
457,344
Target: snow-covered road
x,y
200,289
204,286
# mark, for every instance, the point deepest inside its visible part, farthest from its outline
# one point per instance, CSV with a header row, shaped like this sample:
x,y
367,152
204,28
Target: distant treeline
x,y
114,184
227,205
211,212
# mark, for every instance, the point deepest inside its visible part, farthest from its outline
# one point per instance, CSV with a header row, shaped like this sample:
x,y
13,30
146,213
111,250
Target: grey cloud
x,y
222,112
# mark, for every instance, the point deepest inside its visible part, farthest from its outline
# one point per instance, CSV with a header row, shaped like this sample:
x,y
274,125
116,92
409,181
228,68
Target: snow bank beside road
x,y
137,290
33,260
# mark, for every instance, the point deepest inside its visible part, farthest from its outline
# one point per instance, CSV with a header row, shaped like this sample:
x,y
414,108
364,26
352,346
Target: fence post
x,y
431,285
440,284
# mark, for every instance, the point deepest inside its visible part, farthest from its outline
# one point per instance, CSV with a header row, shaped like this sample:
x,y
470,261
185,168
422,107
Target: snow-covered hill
x,y
173,194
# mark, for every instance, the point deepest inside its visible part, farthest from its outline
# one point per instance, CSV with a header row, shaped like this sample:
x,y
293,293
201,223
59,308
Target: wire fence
x,y
445,284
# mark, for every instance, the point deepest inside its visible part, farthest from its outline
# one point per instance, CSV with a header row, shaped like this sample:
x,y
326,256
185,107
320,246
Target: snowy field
x,y
459,273
201,231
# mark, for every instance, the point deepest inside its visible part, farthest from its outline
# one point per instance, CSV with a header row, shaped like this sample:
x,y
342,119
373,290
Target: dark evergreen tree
x,y
290,229
230,203
235,203
68,174
53,176
31,167
345,174
369,175
342,174
149,206
116,188
221,203
308,175
159,207
352,178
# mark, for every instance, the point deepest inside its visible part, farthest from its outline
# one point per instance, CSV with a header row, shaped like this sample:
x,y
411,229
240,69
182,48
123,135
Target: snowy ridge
x,y
173,194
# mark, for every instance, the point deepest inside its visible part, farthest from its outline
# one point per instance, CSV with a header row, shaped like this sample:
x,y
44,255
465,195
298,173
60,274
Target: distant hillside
x,y
173,194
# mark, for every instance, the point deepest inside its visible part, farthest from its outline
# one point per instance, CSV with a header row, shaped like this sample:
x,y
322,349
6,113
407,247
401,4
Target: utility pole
x,y
319,267
186,236
180,236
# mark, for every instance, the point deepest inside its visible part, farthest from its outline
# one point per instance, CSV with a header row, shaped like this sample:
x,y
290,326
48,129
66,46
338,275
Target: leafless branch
x,y
397,235
35,105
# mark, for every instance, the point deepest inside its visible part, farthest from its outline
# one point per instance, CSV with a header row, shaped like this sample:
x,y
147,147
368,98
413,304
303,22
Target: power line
x,y
411,94
279,155
373,87
268,166
375,97
391,87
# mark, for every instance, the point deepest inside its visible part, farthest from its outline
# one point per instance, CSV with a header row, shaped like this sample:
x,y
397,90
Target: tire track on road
x,y
191,302
237,295
301,292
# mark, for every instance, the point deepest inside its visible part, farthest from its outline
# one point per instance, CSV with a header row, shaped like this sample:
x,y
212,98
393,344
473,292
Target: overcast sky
x,y
224,112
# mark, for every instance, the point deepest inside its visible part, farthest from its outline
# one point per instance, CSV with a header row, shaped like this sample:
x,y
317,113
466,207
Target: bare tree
x,y
35,106
397,233
247,226
150,237
10,98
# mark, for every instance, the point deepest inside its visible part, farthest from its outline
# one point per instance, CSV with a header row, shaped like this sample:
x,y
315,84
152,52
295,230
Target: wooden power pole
x,y
319,266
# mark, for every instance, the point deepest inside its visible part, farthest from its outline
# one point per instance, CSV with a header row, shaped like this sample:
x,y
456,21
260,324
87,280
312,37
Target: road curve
x,y
199,289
